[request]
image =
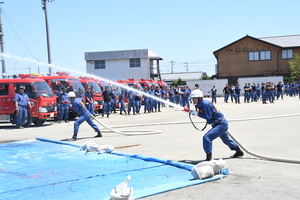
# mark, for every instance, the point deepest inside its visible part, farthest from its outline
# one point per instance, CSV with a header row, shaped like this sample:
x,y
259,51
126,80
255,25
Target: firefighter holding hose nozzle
x,y
207,111
84,115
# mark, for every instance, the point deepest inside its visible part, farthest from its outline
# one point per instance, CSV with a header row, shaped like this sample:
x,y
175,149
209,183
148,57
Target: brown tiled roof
x,y
284,41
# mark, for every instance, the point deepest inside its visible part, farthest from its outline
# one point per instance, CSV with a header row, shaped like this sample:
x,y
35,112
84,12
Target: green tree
x,y
205,77
294,65
178,82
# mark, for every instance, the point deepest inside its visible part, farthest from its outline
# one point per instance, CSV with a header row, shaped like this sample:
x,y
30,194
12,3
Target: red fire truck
x,y
90,82
145,83
119,87
39,93
71,83
162,84
134,83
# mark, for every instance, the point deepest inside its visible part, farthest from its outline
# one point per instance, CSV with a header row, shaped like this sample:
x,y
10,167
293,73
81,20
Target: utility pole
x,y
2,45
187,66
44,7
172,63
38,66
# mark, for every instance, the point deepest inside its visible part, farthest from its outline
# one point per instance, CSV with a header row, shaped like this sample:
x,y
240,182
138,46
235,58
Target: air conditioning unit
x,y
267,73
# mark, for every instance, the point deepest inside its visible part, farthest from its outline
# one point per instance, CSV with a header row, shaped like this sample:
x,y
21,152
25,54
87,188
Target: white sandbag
x,y
202,171
89,146
106,148
122,191
218,165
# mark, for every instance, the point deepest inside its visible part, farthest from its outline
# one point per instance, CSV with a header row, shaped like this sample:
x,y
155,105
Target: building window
x,y
136,62
253,56
259,55
99,64
265,55
287,54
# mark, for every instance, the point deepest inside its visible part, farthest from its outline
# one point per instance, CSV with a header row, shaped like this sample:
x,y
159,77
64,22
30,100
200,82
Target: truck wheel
x,y
28,122
39,122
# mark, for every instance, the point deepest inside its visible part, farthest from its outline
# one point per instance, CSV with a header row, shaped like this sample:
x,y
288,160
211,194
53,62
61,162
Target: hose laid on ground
x,y
258,155
232,120
262,156
131,132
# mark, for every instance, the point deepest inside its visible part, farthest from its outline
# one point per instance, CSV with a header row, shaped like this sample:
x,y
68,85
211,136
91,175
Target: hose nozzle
x,y
186,109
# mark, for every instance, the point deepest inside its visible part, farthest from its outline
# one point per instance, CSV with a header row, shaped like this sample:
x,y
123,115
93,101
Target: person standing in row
x,y
122,96
214,94
63,105
89,100
107,102
226,93
21,101
113,99
147,100
237,93
131,101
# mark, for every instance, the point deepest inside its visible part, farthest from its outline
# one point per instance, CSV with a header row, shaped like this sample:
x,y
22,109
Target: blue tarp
x,y
49,169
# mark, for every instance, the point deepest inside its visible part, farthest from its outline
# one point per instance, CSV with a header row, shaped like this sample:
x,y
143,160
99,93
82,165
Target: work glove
x,y
193,112
17,112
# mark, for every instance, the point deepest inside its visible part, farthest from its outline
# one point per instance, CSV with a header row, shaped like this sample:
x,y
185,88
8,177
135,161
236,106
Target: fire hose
x,y
250,152
130,133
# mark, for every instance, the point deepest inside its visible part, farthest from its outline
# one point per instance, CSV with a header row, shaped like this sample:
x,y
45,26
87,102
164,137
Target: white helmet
x,y
196,93
71,94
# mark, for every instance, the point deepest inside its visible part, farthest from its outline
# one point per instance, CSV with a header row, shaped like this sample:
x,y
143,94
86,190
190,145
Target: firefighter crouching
x,y
85,115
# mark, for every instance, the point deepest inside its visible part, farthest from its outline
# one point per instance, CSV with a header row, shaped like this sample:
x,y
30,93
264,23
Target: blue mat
x,y
49,169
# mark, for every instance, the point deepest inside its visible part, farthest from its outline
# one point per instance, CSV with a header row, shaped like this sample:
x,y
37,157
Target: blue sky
x,y
184,31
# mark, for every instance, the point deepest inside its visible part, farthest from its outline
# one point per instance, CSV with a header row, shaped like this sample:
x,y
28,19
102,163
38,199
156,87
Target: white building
x,y
115,65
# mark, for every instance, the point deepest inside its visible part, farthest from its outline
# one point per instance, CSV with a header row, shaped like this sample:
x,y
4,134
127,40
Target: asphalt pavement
x,y
268,129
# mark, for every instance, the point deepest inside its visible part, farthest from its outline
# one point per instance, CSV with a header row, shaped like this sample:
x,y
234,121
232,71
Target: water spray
x,y
148,95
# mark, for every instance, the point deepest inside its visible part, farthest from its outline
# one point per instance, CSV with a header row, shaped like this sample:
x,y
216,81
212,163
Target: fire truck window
x,y
29,92
3,89
55,86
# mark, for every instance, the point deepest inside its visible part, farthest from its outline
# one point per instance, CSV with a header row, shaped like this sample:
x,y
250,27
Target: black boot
x,y
107,116
238,152
208,157
74,138
98,134
121,113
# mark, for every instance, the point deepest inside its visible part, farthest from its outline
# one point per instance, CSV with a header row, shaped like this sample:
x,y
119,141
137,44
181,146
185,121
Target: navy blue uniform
x,y
213,116
84,114
22,100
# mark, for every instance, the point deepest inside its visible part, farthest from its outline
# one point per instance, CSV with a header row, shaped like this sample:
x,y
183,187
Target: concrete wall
x,y
120,69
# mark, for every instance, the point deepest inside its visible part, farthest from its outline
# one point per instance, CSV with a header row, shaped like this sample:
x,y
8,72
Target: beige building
x,y
254,57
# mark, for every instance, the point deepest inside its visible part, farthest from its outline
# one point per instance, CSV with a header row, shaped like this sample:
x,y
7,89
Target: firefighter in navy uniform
x,y
21,101
213,116
85,115
63,106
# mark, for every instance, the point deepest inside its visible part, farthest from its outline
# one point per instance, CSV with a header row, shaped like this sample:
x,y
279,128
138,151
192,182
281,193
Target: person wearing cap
x,y
107,101
63,106
214,94
138,101
122,95
163,95
84,115
172,95
113,99
131,101
147,100
213,116
21,101
89,100
157,94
